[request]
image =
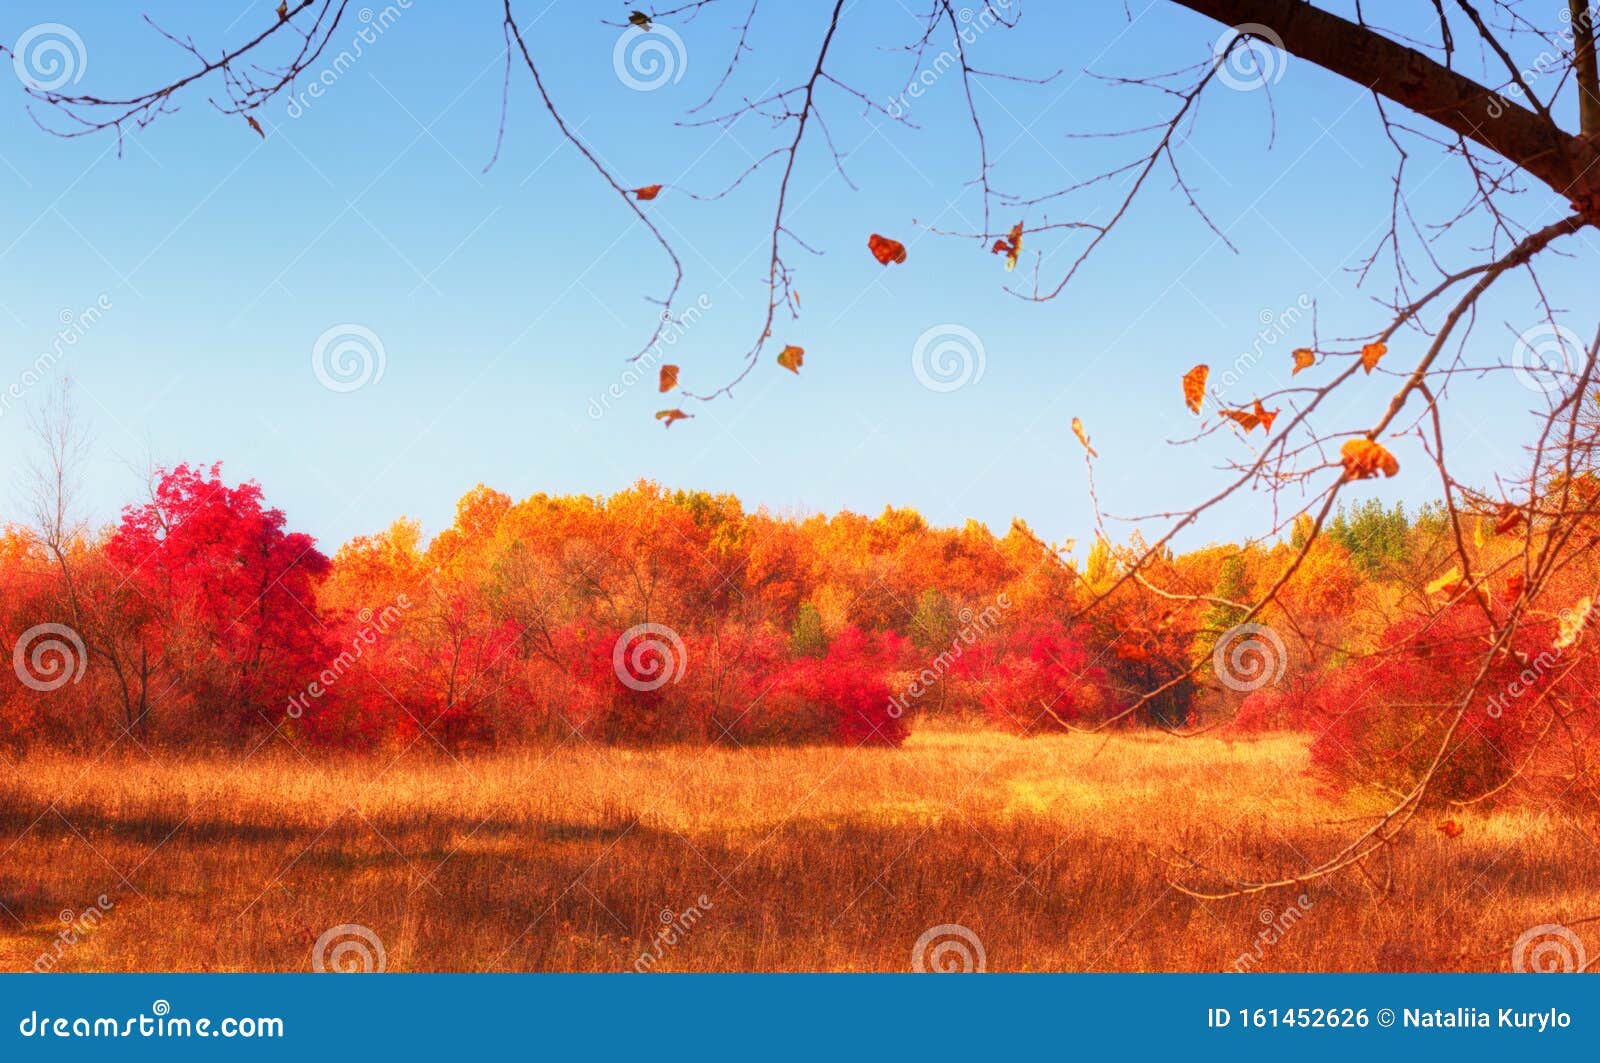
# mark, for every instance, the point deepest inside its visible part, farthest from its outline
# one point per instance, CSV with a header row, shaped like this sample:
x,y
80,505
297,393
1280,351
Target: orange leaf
x,y
1194,386
1266,416
1451,829
1011,246
1364,459
669,377
1304,358
1243,418
791,357
1083,437
1514,585
1248,419
1508,518
886,250
1371,354
672,415
256,126
647,192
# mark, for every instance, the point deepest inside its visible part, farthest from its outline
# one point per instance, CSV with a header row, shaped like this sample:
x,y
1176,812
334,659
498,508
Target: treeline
x,y
654,615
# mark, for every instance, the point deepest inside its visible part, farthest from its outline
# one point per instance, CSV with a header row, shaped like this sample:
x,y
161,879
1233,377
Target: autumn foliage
x,y
659,616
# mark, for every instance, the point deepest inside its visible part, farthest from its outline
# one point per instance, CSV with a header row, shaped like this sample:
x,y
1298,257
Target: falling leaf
x,y
886,250
1304,358
640,19
1450,582
669,377
1364,459
1477,533
1083,437
1243,418
795,295
1371,354
791,357
1194,386
672,415
1508,518
256,126
1248,419
1267,416
283,11
1573,621
647,192
1451,829
1011,246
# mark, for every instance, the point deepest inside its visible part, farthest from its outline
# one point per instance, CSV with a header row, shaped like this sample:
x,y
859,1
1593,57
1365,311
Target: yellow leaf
x,y
1445,582
1573,621
1083,437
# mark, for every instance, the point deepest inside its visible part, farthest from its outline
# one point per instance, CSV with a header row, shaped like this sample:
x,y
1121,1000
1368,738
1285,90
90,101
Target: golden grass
x,y
1051,850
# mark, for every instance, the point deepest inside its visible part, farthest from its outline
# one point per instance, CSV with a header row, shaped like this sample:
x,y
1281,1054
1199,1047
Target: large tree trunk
x,y
1413,80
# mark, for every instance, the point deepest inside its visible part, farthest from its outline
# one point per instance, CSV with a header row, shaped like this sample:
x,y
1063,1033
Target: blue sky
x,y
507,301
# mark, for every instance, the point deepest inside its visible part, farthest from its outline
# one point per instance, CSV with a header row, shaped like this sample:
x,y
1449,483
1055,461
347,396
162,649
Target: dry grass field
x,y
1052,851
